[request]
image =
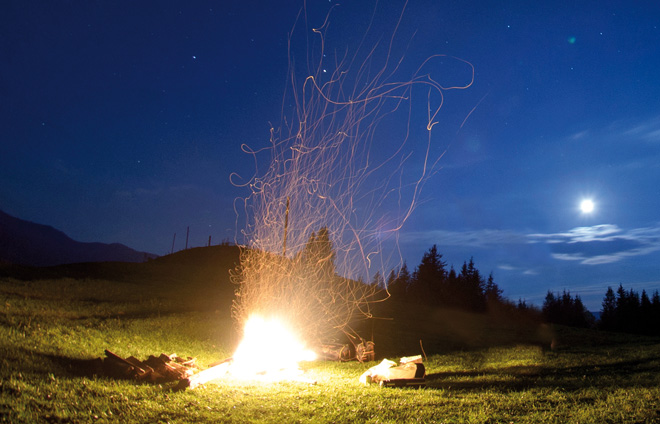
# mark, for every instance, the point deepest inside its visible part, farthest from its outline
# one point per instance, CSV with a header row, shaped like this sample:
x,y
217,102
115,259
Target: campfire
x,y
323,206
282,360
249,362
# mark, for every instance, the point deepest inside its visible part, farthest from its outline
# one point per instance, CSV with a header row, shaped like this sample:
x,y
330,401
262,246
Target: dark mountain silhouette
x,y
27,243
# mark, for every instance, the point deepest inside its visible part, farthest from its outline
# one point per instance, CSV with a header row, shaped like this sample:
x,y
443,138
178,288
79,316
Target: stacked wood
x,y
410,373
335,352
161,369
365,351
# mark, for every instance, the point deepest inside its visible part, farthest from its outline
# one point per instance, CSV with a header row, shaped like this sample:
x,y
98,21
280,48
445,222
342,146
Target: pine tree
x,y
655,313
391,278
566,310
655,301
377,280
429,278
550,308
318,259
608,313
646,314
471,287
325,252
398,285
404,276
492,291
622,309
631,313
581,316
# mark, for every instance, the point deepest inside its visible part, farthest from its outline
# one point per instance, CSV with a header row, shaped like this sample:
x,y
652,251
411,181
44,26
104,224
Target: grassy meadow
x,y
480,368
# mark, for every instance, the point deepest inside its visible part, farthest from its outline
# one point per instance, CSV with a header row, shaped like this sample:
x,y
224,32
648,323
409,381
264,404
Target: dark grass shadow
x,y
76,367
639,373
41,363
46,366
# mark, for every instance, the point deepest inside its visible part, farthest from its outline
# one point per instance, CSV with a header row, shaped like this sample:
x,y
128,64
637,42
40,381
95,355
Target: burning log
x,y
168,368
219,369
163,369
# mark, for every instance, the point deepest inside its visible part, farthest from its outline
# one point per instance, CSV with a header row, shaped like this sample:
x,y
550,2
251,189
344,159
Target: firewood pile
x,y
161,369
335,352
364,352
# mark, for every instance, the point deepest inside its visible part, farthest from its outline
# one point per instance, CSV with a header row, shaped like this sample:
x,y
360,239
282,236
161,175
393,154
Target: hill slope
x,y
198,279
27,243
193,279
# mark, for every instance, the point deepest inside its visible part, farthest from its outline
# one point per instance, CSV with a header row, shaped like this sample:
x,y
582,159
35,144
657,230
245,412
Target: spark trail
x,y
344,171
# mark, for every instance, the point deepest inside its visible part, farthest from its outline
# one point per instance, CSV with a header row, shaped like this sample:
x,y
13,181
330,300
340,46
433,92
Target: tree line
x,y
565,309
625,311
432,284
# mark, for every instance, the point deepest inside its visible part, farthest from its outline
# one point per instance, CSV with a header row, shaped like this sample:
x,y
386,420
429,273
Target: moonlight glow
x,y
587,206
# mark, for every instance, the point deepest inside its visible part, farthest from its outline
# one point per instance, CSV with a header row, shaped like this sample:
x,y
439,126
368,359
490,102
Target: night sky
x,y
122,121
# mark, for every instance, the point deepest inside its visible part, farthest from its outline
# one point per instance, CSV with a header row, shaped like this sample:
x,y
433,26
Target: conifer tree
x,y
429,278
398,285
492,291
608,313
471,287
378,280
566,310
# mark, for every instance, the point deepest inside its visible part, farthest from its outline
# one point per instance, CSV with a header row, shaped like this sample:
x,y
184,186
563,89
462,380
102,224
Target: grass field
x,y
479,369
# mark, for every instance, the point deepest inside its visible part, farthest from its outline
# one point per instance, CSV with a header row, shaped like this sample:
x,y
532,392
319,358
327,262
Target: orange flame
x,y
269,350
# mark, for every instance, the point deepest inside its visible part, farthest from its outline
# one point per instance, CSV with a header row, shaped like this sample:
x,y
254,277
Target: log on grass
x,y
118,367
218,370
154,370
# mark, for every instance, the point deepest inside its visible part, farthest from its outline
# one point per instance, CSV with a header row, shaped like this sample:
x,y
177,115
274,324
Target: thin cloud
x,y
523,271
479,238
603,232
591,241
644,134
595,245
648,130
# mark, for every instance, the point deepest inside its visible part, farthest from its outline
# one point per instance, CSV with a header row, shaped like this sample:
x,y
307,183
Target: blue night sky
x,y
122,121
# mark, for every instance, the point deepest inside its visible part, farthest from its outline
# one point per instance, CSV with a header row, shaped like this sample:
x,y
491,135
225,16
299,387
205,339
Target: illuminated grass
x,y
44,329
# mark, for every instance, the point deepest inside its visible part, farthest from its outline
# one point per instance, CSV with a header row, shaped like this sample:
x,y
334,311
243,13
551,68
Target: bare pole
x,y
187,233
286,225
173,239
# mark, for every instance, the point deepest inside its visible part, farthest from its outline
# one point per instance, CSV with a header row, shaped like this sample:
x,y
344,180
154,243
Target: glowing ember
x,y
269,350
327,197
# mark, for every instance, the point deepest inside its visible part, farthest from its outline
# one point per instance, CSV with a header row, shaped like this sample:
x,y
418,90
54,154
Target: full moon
x,y
587,206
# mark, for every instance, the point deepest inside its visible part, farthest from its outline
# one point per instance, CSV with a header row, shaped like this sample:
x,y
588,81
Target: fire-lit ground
x,y
285,349
48,324
270,351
